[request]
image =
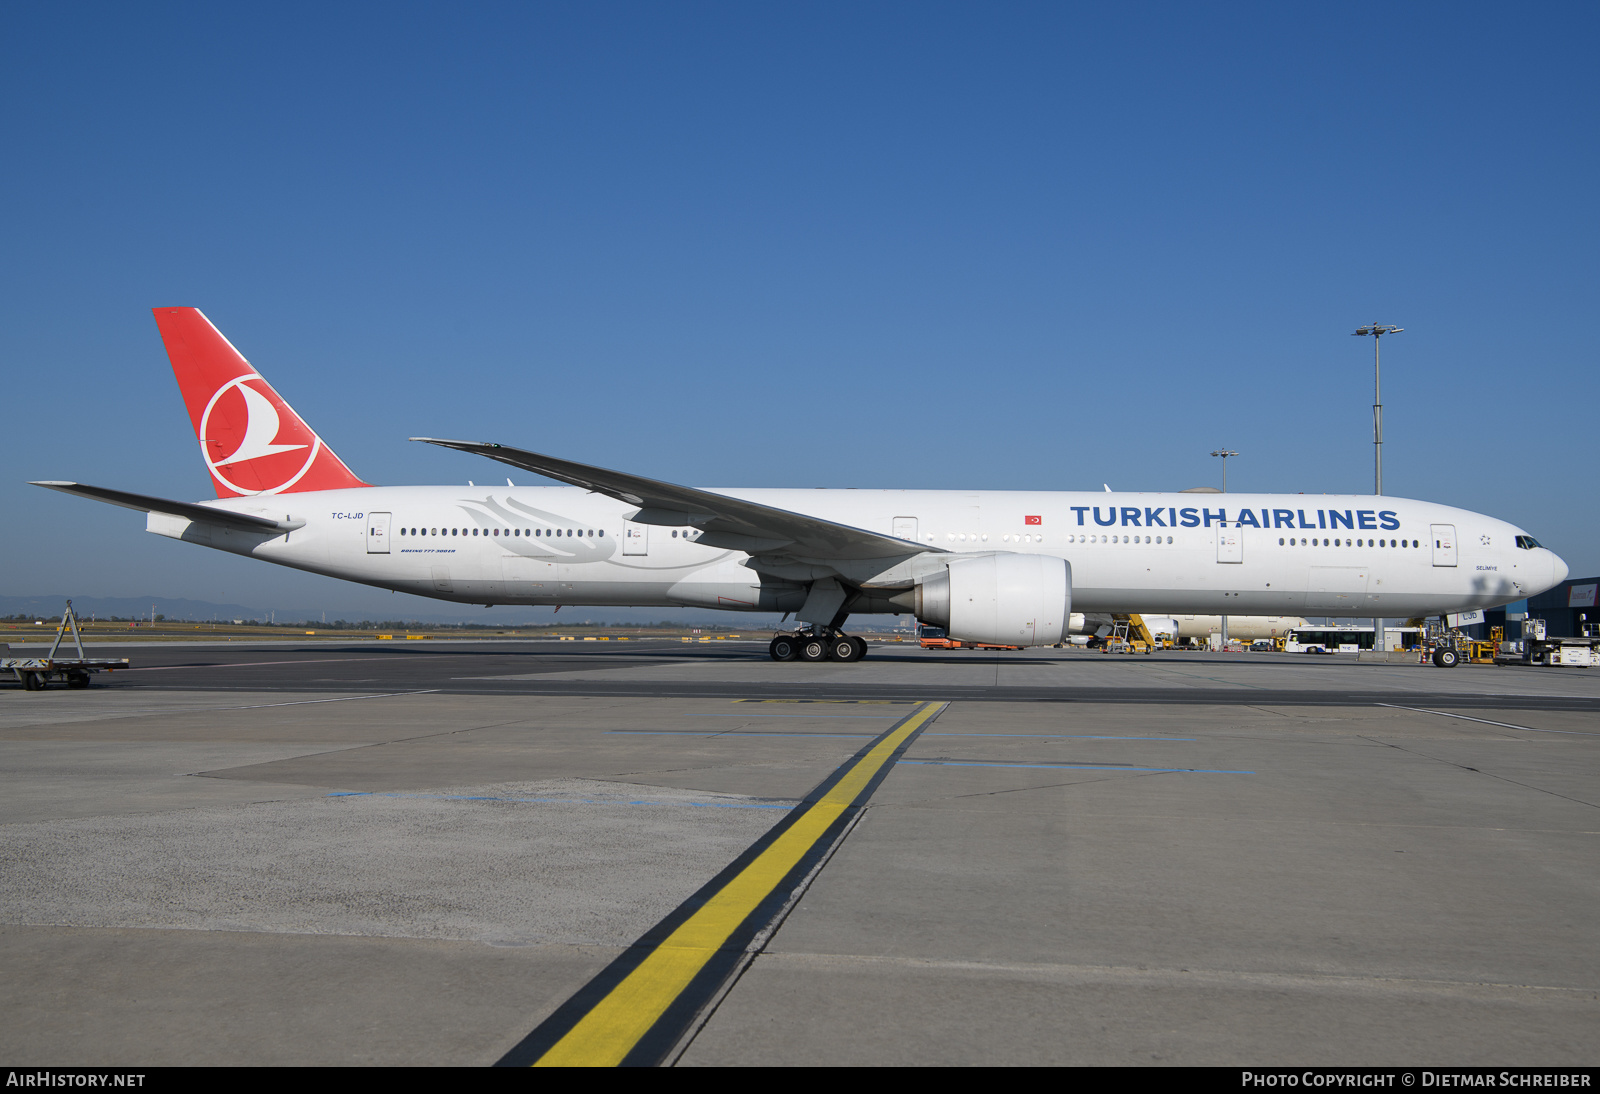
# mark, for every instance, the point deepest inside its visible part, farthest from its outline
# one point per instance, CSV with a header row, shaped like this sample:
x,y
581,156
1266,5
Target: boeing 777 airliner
x,y
1001,567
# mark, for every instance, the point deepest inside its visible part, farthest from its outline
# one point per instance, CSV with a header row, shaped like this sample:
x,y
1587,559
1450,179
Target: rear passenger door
x,y
378,533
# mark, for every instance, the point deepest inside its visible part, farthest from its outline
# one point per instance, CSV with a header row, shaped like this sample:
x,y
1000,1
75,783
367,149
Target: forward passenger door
x,y
1444,544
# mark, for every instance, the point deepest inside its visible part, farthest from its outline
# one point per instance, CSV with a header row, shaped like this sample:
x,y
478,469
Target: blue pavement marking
x,y
557,801
1076,767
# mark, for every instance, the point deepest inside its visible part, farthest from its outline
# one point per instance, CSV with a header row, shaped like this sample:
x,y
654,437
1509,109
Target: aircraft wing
x,y
730,523
188,510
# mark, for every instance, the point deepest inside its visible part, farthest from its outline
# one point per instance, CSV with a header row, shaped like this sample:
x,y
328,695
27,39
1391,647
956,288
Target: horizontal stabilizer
x,y
774,529
188,510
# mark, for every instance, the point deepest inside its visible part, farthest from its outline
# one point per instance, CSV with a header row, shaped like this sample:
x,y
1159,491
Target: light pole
x,y
1376,331
1224,453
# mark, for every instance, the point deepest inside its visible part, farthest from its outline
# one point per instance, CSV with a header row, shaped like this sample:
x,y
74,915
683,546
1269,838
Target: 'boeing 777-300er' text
x,y
1002,567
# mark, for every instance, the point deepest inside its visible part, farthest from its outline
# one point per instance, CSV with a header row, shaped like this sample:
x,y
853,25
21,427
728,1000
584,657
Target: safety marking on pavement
x,y
257,664
1487,722
640,1010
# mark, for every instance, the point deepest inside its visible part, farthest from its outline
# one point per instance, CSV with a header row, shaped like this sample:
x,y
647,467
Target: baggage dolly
x,y
35,672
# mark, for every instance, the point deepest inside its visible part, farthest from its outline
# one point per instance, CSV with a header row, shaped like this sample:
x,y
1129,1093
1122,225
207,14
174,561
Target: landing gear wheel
x,y
785,647
843,648
813,649
1446,658
861,647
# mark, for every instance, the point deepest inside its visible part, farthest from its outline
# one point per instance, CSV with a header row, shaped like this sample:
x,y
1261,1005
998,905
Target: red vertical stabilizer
x,y
252,441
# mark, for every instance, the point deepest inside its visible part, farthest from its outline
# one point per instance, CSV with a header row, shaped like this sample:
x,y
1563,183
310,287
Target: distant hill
x,y
49,609
129,607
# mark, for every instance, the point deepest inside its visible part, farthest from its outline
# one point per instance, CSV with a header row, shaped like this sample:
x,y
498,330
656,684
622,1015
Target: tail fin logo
x,y
252,441
248,430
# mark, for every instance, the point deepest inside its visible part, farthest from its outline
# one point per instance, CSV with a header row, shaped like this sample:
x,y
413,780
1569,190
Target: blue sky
x,y
918,245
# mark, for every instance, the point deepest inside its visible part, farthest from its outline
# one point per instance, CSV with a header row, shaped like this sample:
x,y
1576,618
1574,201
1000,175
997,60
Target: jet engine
x,y
999,599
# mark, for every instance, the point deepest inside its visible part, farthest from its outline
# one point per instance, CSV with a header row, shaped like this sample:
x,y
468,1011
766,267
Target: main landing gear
x,y
830,645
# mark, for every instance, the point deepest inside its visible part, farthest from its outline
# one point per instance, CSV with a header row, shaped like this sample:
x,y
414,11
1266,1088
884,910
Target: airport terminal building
x,y
1569,610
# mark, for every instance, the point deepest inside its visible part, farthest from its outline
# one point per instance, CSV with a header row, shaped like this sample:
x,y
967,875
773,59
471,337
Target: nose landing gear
x,y
824,644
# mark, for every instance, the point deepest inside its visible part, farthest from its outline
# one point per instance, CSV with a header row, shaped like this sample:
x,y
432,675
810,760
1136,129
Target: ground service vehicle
x,y
75,672
937,638
1538,647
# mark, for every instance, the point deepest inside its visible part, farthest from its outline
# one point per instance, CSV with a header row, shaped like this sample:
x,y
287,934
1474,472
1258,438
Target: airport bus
x,y
1328,639
1346,638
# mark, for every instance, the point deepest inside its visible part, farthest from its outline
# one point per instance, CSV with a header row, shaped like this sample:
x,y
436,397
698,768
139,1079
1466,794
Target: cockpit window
x,y
1528,543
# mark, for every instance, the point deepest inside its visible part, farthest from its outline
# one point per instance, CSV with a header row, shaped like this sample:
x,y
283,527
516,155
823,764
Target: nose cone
x,y
1558,570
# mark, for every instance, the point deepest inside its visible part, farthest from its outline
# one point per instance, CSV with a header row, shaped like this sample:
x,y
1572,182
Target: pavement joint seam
x,y
1480,771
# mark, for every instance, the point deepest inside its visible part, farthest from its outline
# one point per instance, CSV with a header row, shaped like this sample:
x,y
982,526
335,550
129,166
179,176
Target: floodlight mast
x,y
1376,331
1224,453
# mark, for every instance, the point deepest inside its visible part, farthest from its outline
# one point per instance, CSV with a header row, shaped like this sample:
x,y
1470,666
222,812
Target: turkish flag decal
x,y
1032,520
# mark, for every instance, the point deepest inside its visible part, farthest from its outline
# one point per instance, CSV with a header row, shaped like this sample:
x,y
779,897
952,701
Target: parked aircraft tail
x,y
252,441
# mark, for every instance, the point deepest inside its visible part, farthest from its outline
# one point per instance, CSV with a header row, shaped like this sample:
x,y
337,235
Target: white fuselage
x,y
1235,554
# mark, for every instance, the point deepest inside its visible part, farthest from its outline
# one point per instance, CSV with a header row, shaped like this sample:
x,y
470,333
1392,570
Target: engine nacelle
x,y
1000,599
1162,625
